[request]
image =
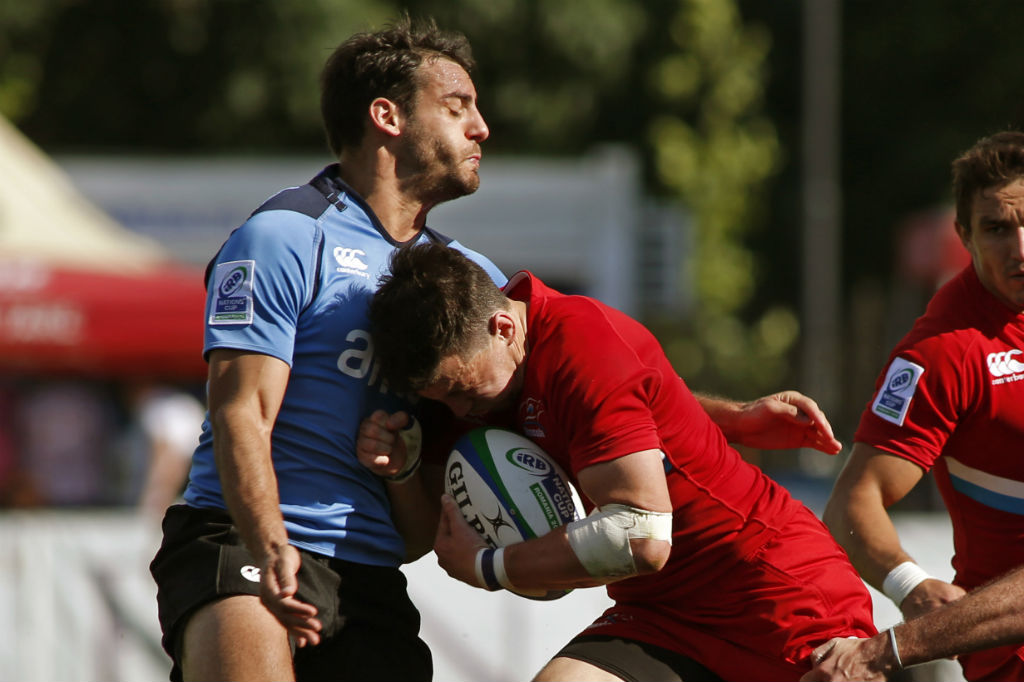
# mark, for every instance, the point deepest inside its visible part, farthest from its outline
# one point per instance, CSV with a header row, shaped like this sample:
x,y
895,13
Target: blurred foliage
x,y
708,92
680,81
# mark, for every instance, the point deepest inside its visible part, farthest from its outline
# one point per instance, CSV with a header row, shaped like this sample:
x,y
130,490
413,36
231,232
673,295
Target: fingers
x,y
448,505
819,434
817,657
278,586
822,652
377,445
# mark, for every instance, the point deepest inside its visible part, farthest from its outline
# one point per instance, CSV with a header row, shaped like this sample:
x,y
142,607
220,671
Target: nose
x,y
1019,245
478,130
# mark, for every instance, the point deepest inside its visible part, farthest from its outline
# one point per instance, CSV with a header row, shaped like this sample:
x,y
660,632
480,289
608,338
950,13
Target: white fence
x,y
77,604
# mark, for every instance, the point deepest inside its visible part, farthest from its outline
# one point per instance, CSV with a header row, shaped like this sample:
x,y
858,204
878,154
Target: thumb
x,y
397,421
448,507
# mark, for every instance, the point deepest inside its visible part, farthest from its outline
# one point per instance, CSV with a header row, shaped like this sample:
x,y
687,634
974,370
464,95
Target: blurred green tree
x,y
680,81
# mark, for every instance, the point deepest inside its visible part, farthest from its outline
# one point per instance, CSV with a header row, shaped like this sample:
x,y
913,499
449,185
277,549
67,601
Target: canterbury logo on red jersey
x,y
1004,363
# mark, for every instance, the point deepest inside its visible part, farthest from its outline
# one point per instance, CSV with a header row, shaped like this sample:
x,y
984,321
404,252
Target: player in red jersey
x,y
716,572
950,400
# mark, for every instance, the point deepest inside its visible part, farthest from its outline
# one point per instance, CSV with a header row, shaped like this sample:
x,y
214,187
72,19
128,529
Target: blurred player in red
x,y
716,572
950,401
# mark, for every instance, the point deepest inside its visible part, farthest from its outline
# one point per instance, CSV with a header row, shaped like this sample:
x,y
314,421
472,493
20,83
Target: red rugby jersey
x,y
952,398
598,386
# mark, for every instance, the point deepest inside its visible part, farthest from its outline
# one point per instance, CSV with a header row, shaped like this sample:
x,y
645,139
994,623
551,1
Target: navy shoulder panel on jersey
x,y
437,237
311,199
306,200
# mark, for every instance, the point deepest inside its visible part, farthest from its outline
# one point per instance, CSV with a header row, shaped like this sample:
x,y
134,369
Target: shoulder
x,y
311,199
304,200
483,261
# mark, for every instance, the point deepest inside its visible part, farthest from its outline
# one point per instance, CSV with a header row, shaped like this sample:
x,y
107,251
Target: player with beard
x,y
283,561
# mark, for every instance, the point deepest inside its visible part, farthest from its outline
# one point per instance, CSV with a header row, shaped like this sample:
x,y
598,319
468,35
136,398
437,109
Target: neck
x,y
372,175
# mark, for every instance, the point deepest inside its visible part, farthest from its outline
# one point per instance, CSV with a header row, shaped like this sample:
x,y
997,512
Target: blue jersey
x,y
294,282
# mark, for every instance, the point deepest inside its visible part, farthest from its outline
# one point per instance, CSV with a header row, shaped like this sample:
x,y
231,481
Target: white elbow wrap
x,y
601,540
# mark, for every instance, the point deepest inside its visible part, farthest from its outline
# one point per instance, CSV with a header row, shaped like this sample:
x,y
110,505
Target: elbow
x,y
650,556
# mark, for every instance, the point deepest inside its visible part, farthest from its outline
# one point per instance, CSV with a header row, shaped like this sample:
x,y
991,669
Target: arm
x,y
414,501
549,562
872,481
991,616
245,393
781,421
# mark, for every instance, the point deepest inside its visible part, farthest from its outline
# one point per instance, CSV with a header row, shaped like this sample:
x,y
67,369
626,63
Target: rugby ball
x,y
509,490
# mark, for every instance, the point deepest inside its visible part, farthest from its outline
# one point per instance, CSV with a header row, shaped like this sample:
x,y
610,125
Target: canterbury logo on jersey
x,y
1005,363
349,258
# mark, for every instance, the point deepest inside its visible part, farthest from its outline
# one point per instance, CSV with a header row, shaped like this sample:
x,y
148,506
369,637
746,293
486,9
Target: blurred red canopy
x,y
81,295
60,320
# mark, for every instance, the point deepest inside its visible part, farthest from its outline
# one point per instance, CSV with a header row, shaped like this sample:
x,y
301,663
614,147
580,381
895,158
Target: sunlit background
x,y
765,184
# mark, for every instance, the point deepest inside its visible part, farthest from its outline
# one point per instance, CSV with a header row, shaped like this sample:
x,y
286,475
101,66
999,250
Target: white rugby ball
x,y
509,490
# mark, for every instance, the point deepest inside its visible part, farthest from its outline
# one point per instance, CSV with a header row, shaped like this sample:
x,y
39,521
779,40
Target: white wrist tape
x,y
499,569
412,436
601,541
902,580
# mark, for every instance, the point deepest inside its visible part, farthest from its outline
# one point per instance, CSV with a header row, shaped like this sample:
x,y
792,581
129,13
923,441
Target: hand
x,y
378,445
457,544
928,596
782,421
849,660
278,585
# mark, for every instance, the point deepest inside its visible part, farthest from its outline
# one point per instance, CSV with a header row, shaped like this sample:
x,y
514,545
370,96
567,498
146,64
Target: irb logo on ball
x,y
508,489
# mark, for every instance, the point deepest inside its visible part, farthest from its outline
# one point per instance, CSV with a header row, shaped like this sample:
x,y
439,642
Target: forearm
x,y
243,456
724,413
992,615
547,563
415,509
861,525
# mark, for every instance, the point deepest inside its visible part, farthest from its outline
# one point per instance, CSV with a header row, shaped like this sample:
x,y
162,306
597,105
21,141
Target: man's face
x,y
440,156
485,382
996,241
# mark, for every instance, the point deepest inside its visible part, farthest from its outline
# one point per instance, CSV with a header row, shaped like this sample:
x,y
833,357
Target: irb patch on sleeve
x,y
893,399
232,298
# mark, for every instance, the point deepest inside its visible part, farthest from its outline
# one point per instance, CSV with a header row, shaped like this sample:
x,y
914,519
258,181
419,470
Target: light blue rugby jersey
x,y
294,281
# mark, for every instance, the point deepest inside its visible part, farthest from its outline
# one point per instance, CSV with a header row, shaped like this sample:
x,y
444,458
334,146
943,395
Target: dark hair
x,y
992,162
380,64
435,303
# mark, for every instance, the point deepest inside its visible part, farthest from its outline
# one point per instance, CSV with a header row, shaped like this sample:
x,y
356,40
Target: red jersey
x,y
597,386
952,399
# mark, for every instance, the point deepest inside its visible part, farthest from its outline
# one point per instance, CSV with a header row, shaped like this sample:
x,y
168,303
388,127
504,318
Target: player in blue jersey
x,y
285,540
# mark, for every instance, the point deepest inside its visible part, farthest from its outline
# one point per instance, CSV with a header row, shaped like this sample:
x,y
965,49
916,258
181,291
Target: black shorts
x,y
635,661
370,627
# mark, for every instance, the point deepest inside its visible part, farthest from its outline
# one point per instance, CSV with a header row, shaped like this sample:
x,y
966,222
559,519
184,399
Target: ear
x,y
386,116
502,325
964,234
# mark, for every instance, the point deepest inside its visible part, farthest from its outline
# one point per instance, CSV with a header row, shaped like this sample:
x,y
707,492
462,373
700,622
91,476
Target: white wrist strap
x,y
902,580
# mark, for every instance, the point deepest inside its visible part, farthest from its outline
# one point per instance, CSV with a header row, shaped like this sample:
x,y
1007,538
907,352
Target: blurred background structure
x,y
765,184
